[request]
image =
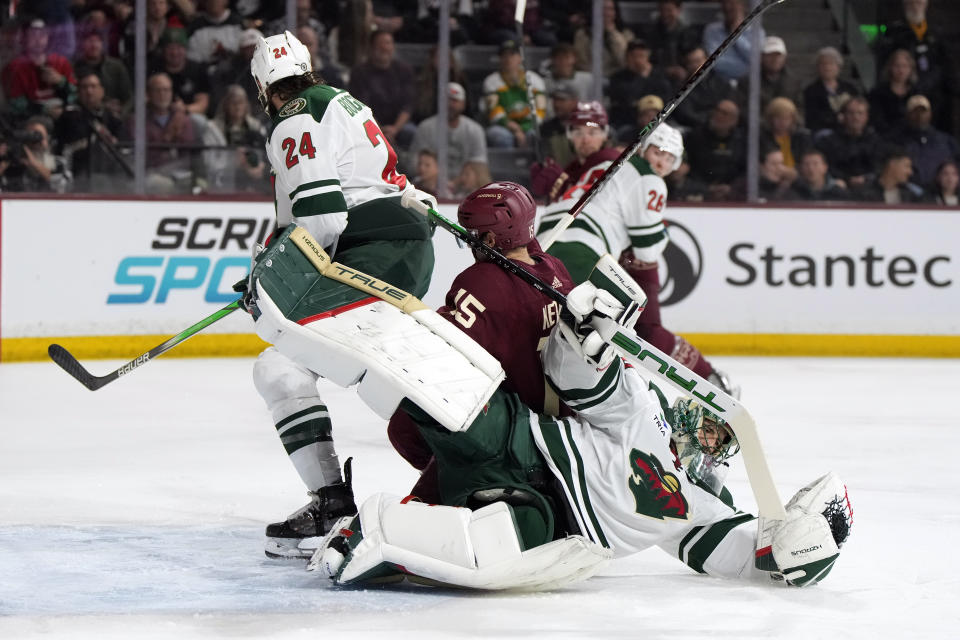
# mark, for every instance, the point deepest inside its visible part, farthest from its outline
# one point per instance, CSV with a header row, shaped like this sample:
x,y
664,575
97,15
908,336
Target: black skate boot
x,y
299,535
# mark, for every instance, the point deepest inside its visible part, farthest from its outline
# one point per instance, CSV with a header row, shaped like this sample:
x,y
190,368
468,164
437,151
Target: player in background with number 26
x,y
334,174
625,219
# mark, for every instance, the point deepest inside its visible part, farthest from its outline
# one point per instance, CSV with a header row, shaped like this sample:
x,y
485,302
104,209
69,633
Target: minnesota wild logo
x,y
294,106
657,492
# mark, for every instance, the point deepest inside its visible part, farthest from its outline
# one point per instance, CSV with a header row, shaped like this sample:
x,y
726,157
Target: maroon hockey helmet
x,y
588,114
505,208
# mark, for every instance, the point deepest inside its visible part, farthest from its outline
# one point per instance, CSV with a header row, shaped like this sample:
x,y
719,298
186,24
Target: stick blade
x,y
68,363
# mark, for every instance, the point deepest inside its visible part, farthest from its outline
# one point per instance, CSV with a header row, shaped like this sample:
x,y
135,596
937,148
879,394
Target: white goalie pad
x,y
393,355
464,548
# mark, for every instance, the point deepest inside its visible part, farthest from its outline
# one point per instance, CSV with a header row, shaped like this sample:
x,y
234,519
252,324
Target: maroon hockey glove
x,y
547,179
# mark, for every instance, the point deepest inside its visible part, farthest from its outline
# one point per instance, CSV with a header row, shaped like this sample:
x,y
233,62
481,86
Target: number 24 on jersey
x,y
306,149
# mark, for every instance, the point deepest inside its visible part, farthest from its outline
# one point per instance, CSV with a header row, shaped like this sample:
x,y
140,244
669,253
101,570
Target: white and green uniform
x,y
328,156
335,175
626,213
608,473
627,486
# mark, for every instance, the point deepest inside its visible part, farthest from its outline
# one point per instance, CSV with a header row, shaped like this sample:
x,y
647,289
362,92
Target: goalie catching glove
x,y
609,293
802,549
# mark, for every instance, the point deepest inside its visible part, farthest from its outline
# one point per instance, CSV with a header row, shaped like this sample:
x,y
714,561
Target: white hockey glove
x,y
414,198
802,549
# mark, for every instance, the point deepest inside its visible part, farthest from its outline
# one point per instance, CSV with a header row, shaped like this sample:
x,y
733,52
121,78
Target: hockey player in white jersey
x,y
533,502
625,219
335,174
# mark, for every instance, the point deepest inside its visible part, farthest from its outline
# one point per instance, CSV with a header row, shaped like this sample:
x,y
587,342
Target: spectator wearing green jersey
x,y
514,100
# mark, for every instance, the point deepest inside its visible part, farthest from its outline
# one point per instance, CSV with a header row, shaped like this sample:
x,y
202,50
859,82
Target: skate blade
x,y
291,548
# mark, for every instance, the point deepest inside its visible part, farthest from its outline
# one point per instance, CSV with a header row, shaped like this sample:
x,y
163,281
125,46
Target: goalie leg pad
x,y
804,546
455,546
394,355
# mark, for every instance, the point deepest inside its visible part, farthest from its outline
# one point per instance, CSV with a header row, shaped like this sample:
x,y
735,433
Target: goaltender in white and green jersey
x,y
531,501
335,174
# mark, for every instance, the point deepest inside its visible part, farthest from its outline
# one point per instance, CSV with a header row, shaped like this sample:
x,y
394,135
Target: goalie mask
x,y
703,440
668,139
505,209
276,58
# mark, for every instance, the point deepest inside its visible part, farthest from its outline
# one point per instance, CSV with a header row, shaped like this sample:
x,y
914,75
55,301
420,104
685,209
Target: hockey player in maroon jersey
x,y
624,219
506,316
587,131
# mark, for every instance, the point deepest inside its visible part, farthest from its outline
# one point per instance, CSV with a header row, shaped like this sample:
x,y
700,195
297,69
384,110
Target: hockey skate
x,y
299,535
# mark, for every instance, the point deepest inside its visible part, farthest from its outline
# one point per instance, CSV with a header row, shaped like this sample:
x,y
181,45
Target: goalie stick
x,y
69,363
567,219
643,354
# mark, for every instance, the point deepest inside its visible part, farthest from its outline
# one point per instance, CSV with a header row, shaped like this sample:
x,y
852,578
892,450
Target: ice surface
x,y
137,512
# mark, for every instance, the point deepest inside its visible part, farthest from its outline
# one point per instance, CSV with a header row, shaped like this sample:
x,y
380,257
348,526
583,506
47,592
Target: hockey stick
x,y
567,219
638,352
69,363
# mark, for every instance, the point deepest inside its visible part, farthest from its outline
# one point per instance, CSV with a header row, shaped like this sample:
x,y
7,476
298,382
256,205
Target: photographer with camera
x,y
26,162
36,81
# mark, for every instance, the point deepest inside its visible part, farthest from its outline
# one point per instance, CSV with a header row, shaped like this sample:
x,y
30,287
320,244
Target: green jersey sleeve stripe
x,y
686,540
586,221
711,539
641,241
313,185
580,406
609,379
638,227
320,204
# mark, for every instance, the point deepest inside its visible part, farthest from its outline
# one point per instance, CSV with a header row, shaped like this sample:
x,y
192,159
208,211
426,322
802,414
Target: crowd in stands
x,y
68,75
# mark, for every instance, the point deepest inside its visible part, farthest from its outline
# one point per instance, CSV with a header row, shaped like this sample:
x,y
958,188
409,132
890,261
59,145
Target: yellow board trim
x,y
128,347
727,344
